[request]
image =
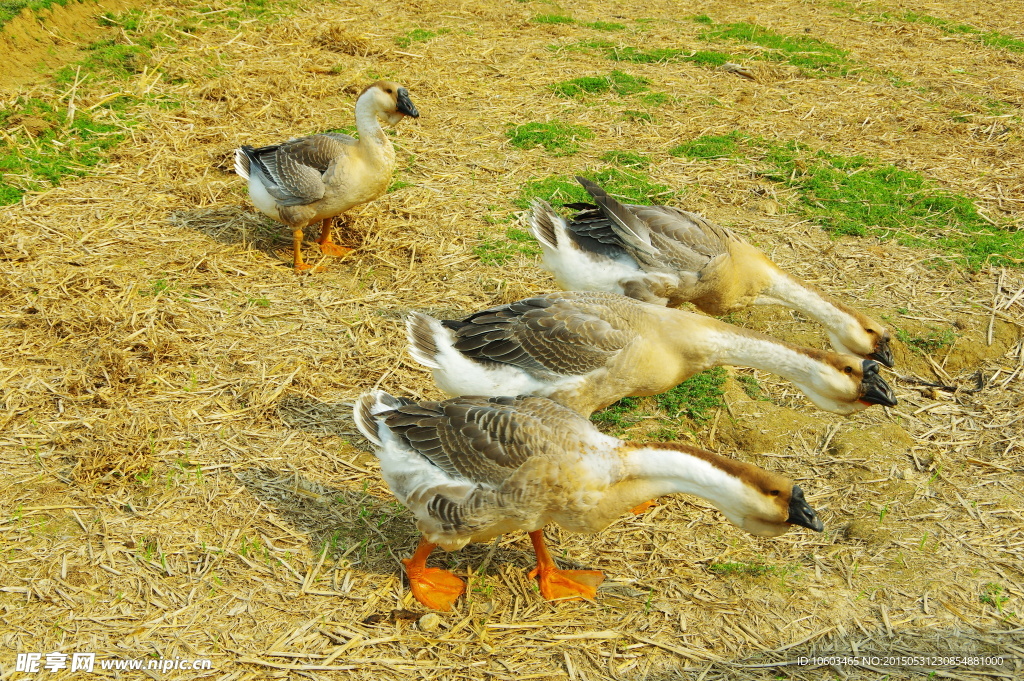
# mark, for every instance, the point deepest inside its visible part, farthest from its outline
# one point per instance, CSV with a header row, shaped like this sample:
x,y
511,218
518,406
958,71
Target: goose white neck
x,y
785,290
740,347
669,470
367,122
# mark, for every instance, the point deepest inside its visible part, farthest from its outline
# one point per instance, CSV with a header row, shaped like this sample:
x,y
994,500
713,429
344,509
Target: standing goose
x,y
471,468
669,256
315,178
590,349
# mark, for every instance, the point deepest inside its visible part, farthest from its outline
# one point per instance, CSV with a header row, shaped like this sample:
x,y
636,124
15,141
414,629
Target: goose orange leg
x,y
433,587
327,245
300,266
558,584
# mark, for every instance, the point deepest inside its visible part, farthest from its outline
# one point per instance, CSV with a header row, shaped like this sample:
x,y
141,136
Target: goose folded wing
x,y
684,241
318,151
474,439
292,182
545,333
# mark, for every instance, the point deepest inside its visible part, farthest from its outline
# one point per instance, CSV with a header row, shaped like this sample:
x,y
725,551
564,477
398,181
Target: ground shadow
x,y
235,225
370,532
323,418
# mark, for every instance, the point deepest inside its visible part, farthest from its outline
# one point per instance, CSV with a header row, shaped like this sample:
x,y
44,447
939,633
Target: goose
x,y
670,256
588,349
315,178
472,468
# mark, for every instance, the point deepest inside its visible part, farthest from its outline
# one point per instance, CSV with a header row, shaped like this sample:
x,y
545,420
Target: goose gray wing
x,y
658,237
481,440
341,137
294,172
567,334
684,241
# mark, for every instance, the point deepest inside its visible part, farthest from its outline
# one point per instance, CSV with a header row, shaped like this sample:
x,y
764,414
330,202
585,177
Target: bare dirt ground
x,y
181,477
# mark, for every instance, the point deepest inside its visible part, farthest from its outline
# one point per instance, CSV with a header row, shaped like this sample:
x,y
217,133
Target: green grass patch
x,y
993,39
610,50
498,251
558,139
993,595
990,38
751,387
12,8
629,185
697,397
802,51
709,146
758,569
552,19
627,159
418,35
637,56
930,342
43,145
655,98
620,83
585,46
109,58
604,25
619,416
47,140
709,58
1001,41
858,196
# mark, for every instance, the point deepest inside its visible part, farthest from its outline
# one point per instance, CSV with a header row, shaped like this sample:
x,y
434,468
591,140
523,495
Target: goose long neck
x,y
367,122
668,468
736,346
795,294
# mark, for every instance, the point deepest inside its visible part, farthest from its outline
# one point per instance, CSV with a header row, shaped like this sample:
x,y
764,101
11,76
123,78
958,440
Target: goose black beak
x,y
874,389
405,105
883,353
802,514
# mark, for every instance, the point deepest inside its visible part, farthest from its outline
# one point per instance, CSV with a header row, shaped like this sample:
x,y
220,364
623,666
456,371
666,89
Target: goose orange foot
x,y
643,508
567,585
306,268
327,245
559,585
335,250
433,587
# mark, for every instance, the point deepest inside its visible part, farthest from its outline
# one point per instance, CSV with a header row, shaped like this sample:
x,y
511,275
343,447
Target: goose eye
x,y
848,369
774,493
388,90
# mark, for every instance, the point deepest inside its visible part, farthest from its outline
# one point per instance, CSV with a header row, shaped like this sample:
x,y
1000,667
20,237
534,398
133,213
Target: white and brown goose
x,y
670,256
589,349
316,178
471,468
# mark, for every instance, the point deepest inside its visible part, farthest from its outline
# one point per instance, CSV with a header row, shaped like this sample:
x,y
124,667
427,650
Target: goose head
x,y
862,335
768,505
846,384
390,101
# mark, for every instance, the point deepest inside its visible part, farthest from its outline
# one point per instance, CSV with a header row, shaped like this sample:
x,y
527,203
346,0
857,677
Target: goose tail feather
x,y
366,409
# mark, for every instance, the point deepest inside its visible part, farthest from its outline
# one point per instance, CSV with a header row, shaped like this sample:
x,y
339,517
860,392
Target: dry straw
x,y
181,475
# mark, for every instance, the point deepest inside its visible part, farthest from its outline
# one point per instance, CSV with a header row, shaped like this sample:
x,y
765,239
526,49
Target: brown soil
x,y
33,44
